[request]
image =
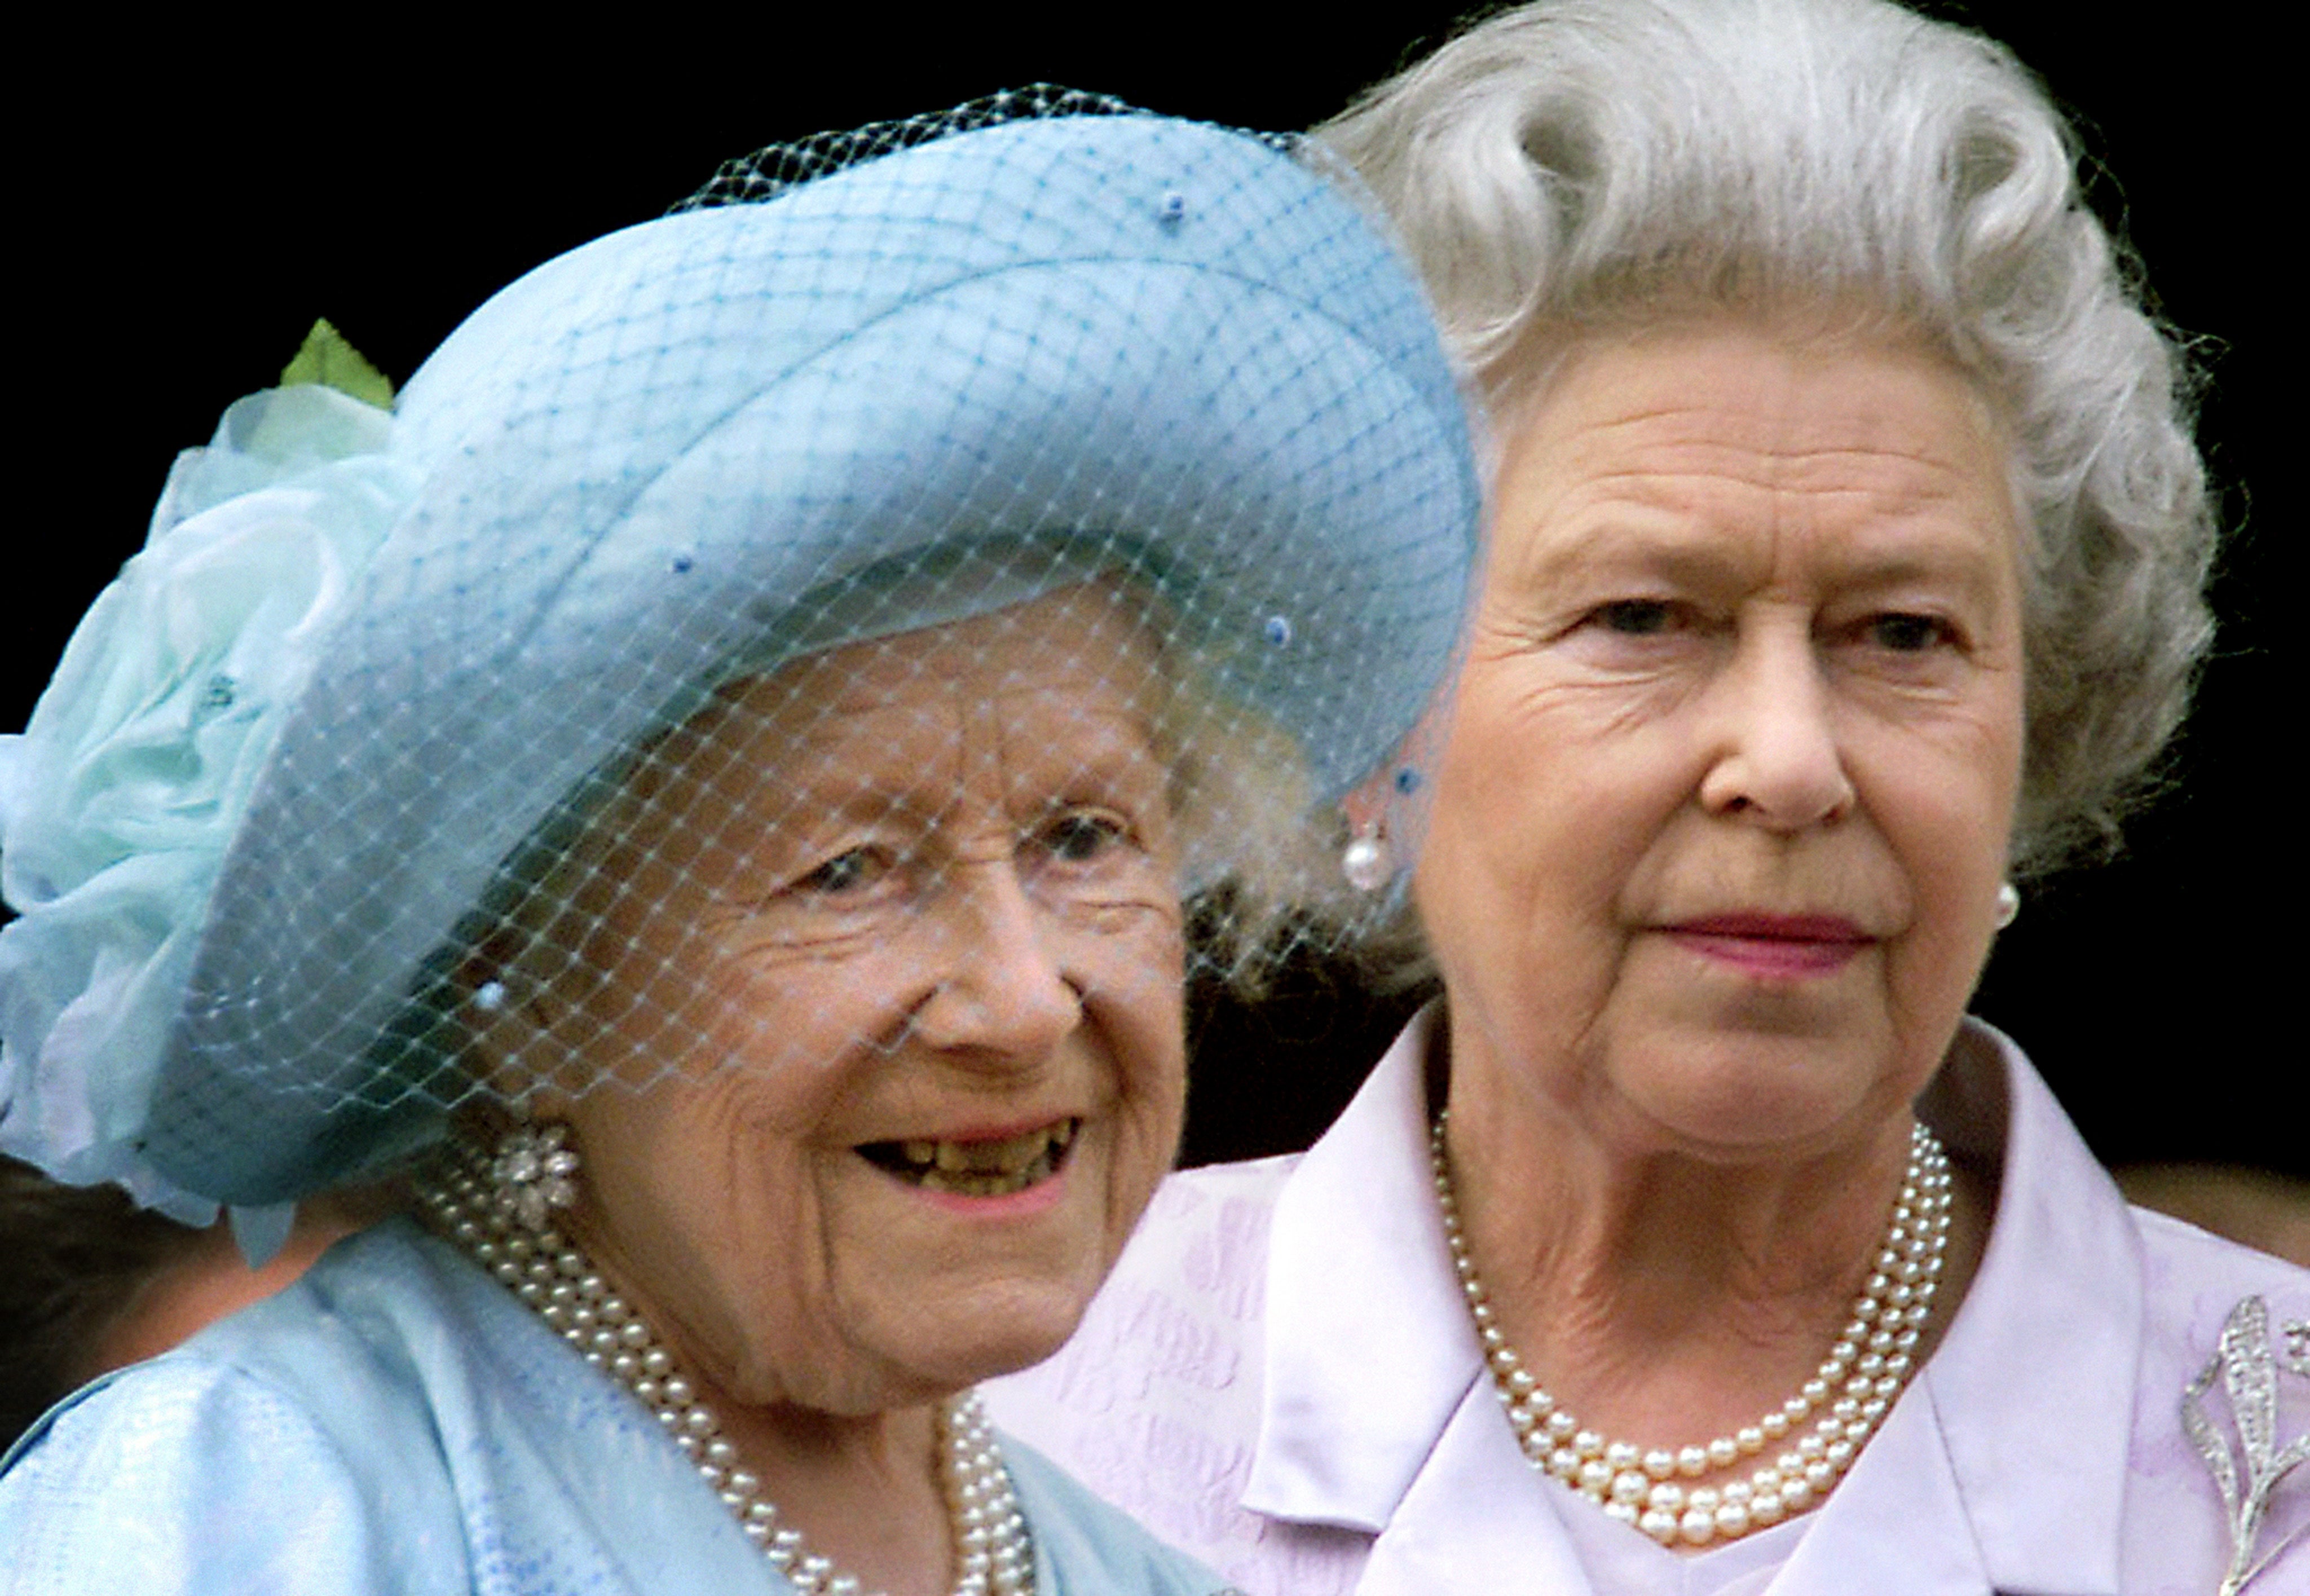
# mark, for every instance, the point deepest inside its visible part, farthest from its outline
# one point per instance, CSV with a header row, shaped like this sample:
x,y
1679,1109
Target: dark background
x,y
181,215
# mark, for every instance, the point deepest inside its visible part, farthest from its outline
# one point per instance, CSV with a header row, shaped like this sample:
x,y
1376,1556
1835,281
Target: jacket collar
x,y
2035,1382
1353,1401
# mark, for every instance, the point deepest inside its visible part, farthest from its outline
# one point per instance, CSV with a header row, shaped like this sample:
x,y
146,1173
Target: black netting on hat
x,y
771,170
794,643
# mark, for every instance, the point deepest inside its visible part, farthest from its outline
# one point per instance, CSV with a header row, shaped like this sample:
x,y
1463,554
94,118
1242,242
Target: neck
x,y
865,1490
876,1496
1667,1297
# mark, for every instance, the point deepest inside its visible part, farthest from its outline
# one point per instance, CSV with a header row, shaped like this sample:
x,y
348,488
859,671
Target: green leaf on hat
x,y
327,358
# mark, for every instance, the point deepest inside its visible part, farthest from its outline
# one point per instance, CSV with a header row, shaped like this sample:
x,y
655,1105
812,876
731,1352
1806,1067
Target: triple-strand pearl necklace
x,y
548,1272
1851,1390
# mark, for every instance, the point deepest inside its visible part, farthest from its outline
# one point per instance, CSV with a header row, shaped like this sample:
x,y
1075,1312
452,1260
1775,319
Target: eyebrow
x,y
1896,547
1113,744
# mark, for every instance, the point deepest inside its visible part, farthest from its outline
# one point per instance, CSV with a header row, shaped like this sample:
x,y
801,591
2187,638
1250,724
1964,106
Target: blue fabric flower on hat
x,y
120,799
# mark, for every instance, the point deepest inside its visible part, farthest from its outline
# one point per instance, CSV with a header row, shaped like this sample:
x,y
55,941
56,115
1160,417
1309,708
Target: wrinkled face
x,y
893,967
1724,809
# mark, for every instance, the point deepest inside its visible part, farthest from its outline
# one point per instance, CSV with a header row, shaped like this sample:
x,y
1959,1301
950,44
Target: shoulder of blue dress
x,y
229,1348
38,1430
1084,1547
369,1308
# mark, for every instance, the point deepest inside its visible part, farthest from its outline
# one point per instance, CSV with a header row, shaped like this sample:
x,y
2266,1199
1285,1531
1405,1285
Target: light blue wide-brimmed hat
x,y
672,457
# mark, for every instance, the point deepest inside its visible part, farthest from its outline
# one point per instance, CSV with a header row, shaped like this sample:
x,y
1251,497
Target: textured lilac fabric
x,y
1279,1377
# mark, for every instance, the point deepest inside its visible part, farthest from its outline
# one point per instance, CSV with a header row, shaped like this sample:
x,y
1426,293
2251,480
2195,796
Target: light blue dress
x,y
397,1422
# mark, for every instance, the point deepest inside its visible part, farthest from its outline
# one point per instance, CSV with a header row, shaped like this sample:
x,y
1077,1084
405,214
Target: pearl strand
x,y
994,1554
1855,1386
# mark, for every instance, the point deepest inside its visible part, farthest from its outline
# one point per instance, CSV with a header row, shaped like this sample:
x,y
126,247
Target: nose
x,y
1002,994
1775,758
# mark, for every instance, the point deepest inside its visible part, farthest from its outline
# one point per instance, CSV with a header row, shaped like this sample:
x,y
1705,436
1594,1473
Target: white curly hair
x,y
1573,167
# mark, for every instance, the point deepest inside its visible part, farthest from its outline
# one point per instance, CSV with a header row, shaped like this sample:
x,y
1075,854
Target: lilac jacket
x,y
1280,1378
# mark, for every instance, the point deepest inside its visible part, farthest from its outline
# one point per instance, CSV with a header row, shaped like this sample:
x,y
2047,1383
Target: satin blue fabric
x,y
396,1422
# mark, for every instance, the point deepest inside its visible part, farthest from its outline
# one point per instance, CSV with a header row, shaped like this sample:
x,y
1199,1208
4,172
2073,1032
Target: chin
x,y
1757,1095
945,1348
1026,1327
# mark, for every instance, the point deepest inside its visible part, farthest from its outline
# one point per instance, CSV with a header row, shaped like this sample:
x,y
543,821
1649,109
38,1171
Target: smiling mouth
x,y
994,1168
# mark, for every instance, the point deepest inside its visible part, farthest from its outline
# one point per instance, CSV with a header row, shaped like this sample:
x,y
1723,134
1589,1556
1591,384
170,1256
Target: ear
x,y
1392,801
514,1024
1365,806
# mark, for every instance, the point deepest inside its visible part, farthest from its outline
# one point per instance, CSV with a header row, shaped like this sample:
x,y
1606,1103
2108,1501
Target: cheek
x,y
1549,799
1145,1146
1945,808
1942,790
705,1152
696,1189
790,1017
1141,1004
691,988
1133,986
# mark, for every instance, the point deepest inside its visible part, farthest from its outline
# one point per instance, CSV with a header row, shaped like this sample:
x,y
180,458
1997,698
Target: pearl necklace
x,y
548,1272
1856,1383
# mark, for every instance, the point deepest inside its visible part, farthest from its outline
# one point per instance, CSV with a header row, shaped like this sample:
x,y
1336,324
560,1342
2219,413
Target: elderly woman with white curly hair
x,y
1848,541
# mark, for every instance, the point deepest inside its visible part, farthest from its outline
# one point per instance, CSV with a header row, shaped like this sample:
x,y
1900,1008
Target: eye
x,y
1908,634
1079,835
1636,617
846,873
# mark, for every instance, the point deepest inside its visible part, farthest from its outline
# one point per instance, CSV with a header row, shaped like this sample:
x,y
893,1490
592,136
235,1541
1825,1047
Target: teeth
x,y
1011,1154
974,1183
991,1168
1007,1156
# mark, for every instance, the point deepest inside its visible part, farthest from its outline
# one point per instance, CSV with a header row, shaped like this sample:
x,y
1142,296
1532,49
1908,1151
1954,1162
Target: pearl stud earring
x,y
1366,861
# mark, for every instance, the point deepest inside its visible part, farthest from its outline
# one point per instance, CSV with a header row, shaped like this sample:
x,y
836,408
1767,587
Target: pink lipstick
x,y
1773,947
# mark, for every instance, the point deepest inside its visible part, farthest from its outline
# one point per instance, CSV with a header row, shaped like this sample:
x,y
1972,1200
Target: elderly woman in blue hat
x,y
704,791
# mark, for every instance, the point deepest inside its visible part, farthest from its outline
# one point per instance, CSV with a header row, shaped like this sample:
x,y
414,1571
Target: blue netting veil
x,y
1032,516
